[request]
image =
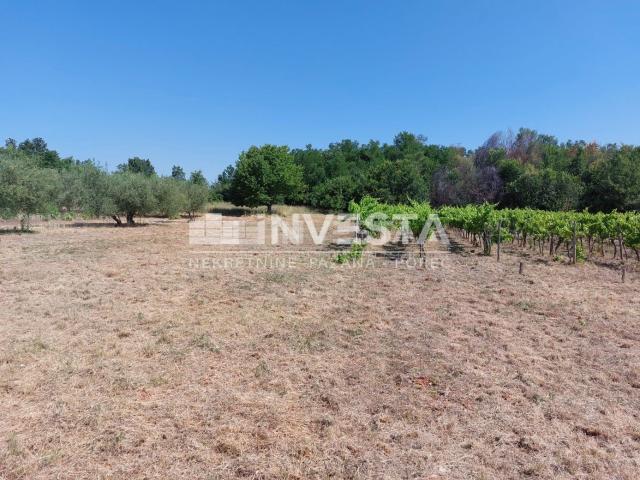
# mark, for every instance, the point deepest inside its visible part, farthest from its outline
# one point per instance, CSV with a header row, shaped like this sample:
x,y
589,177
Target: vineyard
x,y
580,235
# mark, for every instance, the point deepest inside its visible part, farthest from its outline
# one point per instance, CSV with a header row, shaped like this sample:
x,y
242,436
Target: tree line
x,y
36,180
526,169
522,170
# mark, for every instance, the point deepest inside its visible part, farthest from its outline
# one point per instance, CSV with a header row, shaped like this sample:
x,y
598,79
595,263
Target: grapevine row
x,y
545,231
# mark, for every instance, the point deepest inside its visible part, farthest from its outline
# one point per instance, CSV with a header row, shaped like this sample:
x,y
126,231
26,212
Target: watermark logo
x,y
378,229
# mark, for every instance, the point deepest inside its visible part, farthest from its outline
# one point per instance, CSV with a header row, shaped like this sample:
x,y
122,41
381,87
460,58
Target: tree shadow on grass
x,y
457,248
16,231
337,247
231,211
107,225
394,251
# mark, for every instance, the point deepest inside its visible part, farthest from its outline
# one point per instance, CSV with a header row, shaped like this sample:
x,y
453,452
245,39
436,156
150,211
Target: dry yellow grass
x,y
119,358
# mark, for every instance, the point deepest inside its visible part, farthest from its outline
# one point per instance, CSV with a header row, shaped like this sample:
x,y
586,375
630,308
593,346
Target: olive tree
x,y
26,190
171,196
132,194
197,196
85,189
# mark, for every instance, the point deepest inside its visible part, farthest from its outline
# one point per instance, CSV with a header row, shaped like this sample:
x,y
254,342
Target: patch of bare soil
x,y
126,353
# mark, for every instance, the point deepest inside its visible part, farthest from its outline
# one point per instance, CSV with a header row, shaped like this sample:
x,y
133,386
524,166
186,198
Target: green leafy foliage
x,y
31,182
265,176
137,165
85,190
197,196
198,178
526,170
354,254
177,173
372,215
26,189
132,194
220,190
486,224
547,230
334,194
171,196
546,189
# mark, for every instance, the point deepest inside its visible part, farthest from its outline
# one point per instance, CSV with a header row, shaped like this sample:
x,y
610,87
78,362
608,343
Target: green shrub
x,y
355,253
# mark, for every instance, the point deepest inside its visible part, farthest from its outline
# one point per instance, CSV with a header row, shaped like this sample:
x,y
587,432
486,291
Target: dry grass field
x,y
123,355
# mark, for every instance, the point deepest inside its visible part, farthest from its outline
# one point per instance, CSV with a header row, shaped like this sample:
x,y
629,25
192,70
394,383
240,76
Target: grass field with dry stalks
x,y
124,355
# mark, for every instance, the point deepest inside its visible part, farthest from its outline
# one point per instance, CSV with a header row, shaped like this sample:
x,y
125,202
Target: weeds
x,y
204,342
261,370
355,253
13,446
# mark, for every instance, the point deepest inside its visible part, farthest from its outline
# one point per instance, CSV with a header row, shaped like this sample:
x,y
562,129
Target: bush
x,y
354,254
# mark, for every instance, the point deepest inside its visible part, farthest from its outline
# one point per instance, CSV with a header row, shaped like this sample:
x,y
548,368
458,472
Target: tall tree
x,y
221,188
177,172
35,146
265,176
614,181
137,165
198,178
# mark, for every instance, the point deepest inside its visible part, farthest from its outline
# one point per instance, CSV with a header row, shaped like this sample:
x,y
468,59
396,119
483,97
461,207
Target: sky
x,y
196,82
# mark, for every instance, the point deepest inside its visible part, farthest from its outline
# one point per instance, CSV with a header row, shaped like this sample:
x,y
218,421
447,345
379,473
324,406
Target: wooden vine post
x,y
499,233
574,246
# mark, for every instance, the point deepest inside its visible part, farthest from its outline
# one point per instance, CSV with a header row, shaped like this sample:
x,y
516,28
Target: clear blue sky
x,y
194,83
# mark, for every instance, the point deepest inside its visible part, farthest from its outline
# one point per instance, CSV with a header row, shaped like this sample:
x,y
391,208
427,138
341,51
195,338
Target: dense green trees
x,y
36,149
221,189
613,180
546,189
334,193
348,170
526,169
